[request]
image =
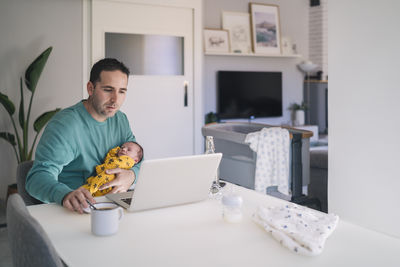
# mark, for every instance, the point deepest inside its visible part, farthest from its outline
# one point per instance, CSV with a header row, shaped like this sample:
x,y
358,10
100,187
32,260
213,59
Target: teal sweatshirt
x,y
72,145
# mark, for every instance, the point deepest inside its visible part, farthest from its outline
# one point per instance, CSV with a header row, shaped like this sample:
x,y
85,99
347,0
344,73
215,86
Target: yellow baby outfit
x,y
112,161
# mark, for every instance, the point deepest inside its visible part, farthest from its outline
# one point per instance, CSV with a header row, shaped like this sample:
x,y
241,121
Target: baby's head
x,y
132,150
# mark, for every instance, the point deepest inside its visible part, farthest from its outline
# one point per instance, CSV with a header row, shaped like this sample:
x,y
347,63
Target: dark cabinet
x,y
316,96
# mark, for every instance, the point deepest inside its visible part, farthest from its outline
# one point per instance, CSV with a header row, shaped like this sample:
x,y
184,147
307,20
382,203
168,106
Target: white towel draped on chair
x,y
272,166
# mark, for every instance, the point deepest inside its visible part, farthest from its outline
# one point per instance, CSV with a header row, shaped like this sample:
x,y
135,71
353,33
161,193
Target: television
x,y
246,94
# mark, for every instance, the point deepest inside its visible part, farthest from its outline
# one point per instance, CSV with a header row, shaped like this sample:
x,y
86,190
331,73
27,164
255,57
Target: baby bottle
x,y
215,190
232,208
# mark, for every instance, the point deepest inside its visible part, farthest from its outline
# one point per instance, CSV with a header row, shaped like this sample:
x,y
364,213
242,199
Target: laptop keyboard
x,y
127,200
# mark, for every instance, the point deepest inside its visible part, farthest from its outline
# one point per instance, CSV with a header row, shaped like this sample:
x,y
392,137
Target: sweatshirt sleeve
x,y
131,138
135,167
56,149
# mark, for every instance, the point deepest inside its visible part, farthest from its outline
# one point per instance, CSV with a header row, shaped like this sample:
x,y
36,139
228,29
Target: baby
x,y
125,157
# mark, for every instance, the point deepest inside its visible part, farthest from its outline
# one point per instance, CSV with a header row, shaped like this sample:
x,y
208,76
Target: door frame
x,y
198,98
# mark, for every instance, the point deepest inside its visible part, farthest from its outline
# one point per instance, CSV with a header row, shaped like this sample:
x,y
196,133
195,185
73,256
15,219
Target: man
x,y
77,139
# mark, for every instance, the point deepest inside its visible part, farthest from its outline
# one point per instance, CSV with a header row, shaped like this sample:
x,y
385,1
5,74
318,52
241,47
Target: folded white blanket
x,y
301,230
272,166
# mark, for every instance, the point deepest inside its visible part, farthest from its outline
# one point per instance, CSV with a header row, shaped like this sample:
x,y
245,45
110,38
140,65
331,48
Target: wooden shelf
x,y
316,81
250,55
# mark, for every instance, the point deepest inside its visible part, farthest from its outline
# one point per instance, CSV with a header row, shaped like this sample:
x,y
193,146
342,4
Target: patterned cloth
x,y
112,161
272,166
300,229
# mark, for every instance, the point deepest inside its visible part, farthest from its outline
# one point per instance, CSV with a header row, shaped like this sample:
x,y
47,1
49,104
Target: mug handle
x,y
121,213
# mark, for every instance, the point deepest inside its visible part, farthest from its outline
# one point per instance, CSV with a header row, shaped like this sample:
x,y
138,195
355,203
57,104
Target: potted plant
x,y
298,113
19,139
211,117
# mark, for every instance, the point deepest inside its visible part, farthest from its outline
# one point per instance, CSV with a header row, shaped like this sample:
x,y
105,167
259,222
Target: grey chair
x,y
22,171
318,187
30,245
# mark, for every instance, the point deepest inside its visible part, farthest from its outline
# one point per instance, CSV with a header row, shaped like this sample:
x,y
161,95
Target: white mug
x,y
105,218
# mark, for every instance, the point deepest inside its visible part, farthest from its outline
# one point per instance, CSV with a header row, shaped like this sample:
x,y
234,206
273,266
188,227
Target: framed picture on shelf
x,y
216,40
238,25
265,28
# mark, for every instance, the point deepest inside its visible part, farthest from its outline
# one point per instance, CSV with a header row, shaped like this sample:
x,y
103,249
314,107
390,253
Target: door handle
x,y
185,94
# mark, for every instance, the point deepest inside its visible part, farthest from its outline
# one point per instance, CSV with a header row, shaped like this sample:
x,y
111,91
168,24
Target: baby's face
x,y
131,150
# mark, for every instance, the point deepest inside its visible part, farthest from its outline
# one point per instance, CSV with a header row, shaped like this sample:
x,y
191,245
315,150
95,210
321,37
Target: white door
x,y
159,107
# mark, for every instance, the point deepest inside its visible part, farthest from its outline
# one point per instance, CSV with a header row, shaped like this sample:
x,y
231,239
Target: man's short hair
x,y
106,64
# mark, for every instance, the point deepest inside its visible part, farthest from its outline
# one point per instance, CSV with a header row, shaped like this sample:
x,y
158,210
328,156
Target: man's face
x,y
107,95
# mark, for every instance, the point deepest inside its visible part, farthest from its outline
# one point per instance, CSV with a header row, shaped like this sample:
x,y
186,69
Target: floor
x,y
5,252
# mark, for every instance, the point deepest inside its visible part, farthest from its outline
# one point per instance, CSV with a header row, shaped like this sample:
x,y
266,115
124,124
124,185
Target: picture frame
x,y
238,25
265,28
216,41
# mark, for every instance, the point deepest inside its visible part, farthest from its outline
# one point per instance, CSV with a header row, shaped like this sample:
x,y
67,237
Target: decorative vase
x,y
300,117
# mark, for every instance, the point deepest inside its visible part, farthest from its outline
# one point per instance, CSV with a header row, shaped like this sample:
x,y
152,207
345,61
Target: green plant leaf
x,y
21,115
33,72
41,121
8,105
294,107
304,106
8,137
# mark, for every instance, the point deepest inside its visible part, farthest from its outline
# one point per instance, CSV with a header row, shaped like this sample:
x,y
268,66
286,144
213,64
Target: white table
x,y
196,235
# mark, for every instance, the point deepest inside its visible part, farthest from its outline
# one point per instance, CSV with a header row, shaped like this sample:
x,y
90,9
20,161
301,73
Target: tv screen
x,y
242,94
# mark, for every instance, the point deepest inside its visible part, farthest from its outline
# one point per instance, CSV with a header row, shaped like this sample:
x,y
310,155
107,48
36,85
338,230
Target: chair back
x,y
30,245
22,171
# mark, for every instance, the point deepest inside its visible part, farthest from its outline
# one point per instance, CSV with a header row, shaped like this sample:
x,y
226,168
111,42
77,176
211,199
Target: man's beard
x,y
102,109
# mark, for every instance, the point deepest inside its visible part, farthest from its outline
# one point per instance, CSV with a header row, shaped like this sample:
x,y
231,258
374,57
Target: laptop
x,y
169,182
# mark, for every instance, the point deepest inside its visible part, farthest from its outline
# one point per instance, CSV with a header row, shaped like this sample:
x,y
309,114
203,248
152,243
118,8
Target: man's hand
x,y
75,200
122,182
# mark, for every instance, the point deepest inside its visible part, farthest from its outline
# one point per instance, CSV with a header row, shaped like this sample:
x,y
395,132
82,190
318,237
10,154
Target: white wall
x,y
294,24
364,110
28,27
